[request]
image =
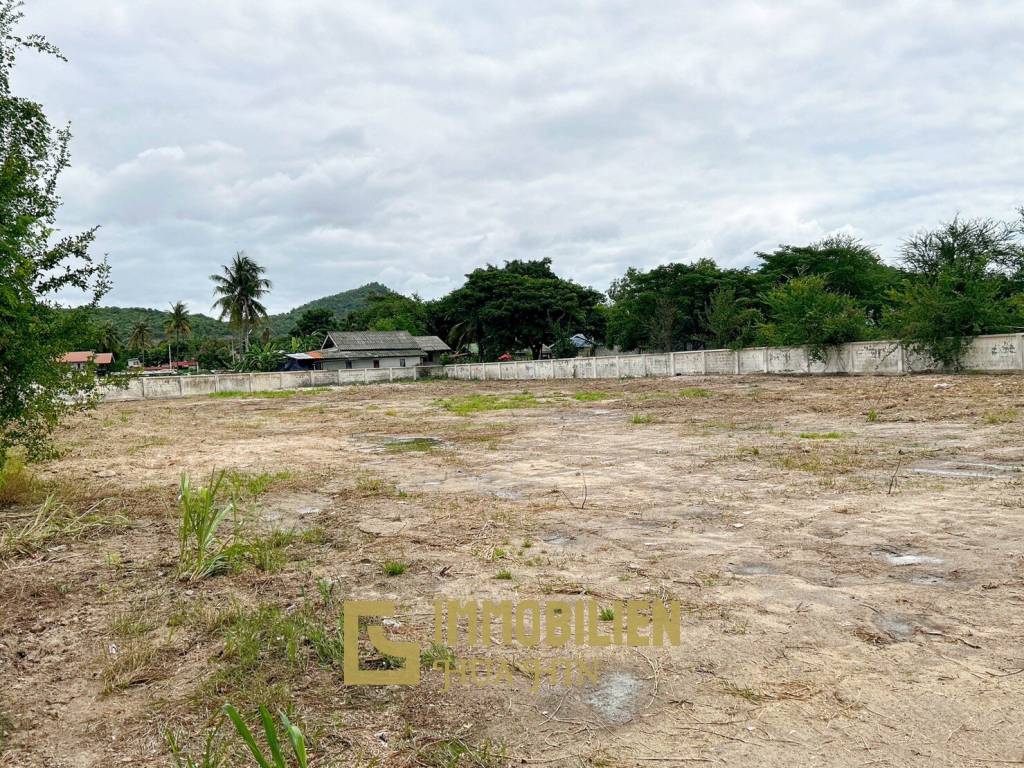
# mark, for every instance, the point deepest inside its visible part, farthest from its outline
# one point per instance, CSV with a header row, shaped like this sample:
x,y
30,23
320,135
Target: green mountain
x,y
339,303
203,326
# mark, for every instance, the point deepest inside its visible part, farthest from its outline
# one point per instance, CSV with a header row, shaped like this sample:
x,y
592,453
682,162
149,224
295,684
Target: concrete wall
x,y
1002,353
986,353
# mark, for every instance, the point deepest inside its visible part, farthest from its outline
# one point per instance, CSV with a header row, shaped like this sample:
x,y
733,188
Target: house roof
x,y
349,345
432,344
100,358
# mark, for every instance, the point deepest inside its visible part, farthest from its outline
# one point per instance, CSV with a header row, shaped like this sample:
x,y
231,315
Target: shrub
x,y
200,552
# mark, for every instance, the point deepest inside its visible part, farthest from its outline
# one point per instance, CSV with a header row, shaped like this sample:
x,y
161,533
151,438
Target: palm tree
x,y
140,338
240,288
178,324
110,340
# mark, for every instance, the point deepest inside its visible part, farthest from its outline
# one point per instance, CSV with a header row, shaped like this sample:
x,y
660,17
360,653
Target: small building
x,y
80,360
303,361
370,349
433,347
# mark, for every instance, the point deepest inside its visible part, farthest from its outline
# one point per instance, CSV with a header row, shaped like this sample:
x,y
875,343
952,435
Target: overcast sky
x,y
339,142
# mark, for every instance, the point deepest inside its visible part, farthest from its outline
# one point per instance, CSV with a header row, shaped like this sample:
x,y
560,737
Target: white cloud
x,y
342,143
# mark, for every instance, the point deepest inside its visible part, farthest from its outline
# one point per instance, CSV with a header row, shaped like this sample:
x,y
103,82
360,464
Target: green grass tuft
x,y
394,568
271,394
467,404
590,397
641,418
504,575
694,392
822,435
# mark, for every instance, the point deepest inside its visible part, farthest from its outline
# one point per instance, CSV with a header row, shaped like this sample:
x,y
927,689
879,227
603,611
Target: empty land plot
x,y
848,553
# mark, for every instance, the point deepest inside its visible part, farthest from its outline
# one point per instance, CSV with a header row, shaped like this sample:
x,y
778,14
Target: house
x,y
433,348
370,349
80,360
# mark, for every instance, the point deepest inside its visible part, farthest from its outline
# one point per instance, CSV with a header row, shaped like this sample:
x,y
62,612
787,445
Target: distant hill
x,y
339,303
203,326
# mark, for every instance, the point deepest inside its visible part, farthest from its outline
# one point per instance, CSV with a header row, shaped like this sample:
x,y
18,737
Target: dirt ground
x,y
847,552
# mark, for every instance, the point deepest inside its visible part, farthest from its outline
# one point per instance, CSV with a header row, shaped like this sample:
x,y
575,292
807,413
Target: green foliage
x,y
606,614
200,551
822,435
211,757
641,418
803,312
36,264
666,307
295,739
503,575
730,321
390,312
315,321
240,289
958,287
260,358
521,305
845,264
394,568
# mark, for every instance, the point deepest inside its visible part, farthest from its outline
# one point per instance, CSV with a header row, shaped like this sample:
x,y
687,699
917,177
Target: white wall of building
x,y
385,362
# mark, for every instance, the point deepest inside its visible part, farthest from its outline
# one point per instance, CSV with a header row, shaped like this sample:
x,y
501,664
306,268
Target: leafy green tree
x,y
241,288
846,264
390,312
520,305
178,324
803,312
961,275
314,321
730,321
666,306
36,264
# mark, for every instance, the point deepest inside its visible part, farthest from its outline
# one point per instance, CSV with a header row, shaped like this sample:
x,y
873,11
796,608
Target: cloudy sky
x,y
339,142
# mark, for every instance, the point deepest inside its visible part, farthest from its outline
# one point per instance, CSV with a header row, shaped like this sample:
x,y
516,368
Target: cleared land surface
x,y
848,553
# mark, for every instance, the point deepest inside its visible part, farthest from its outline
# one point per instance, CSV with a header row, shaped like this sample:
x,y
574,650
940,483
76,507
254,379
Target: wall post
x,y
704,362
618,367
901,363
1020,351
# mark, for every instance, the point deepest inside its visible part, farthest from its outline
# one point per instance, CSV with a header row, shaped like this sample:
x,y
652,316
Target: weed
x,y
131,624
212,756
17,484
641,418
200,553
394,568
134,664
437,655
246,485
822,435
590,397
498,554
454,752
369,485
745,692
1001,417
416,444
22,535
294,735
606,614
467,404
504,574
692,392
749,451
527,543
872,416
264,553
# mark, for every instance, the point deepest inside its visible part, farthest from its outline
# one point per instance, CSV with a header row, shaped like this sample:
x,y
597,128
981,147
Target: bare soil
x,y
852,596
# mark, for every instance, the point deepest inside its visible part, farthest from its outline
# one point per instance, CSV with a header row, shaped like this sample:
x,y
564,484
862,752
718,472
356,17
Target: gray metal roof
x,y
361,354
353,341
432,344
